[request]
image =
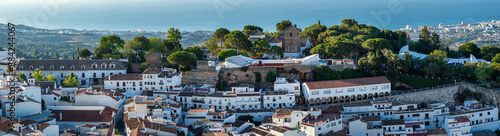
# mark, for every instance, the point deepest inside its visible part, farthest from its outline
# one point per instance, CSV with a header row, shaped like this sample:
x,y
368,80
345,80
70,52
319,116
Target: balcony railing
x,y
198,101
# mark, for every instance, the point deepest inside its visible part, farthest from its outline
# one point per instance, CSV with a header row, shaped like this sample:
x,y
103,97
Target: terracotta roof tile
x,y
347,82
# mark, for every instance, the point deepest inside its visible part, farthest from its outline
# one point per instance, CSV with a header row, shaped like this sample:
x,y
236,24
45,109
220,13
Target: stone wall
x,y
447,95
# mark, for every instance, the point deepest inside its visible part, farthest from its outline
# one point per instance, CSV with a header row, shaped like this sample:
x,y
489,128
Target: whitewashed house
x,y
291,86
153,78
335,91
457,126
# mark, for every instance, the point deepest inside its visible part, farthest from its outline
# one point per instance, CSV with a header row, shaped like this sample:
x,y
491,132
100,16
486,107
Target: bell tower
x,y
292,40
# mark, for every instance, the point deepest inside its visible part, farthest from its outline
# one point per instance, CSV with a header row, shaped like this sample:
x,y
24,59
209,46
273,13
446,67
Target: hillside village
x,y
286,83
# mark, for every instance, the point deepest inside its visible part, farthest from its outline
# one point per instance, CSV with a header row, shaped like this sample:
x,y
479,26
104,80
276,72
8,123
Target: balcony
x,y
401,131
198,101
161,83
244,101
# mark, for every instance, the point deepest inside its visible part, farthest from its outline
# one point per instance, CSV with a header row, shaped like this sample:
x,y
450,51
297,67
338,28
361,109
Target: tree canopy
x,y
281,26
237,40
71,81
377,44
84,53
108,45
248,29
226,53
469,48
196,50
312,32
260,47
182,58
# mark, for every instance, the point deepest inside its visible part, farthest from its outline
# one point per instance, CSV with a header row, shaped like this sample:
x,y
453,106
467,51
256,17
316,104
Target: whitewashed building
x,y
365,126
335,91
291,86
165,79
319,122
99,97
87,71
195,115
457,126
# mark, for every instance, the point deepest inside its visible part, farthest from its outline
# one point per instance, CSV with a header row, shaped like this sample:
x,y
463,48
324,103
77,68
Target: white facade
x,y
346,90
320,123
366,127
165,79
87,71
282,84
100,97
278,99
457,126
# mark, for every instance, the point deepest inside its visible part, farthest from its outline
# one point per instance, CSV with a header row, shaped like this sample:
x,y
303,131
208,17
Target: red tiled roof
x,y
462,119
347,82
85,115
125,77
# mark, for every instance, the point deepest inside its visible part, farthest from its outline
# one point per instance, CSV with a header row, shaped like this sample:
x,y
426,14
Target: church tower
x,y
291,40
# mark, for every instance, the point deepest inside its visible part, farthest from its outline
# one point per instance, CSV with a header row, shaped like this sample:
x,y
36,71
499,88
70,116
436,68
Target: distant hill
x,y
54,43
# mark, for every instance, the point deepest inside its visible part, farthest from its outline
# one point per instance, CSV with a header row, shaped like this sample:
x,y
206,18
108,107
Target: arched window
x,y
291,34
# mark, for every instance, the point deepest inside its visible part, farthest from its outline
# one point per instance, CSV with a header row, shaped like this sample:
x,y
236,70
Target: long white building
x,y
87,71
335,91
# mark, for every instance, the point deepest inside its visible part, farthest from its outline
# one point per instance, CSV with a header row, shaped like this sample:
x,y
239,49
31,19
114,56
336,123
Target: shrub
x,y
244,68
258,77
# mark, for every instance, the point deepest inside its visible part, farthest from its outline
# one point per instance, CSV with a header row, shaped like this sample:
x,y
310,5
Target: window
x,y
339,91
117,84
314,92
102,74
374,88
55,98
83,74
291,34
31,67
327,91
385,86
123,85
95,75
82,67
41,67
416,115
103,65
112,65
488,113
362,89
61,67
133,83
94,66
62,75
480,114
350,89
296,87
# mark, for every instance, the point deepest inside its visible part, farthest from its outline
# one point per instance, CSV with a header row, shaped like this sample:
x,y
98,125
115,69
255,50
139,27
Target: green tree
x,y
38,75
496,58
281,26
271,76
144,66
483,72
377,44
157,45
196,50
469,48
321,50
50,78
349,22
276,51
71,81
260,47
226,54
9,69
21,76
426,42
84,53
249,29
140,44
108,45
322,72
258,77
174,36
219,35
182,58
312,32
437,55
489,52
212,46
237,40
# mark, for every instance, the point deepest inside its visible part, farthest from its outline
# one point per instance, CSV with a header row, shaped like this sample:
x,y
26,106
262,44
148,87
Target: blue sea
x,y
192,15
